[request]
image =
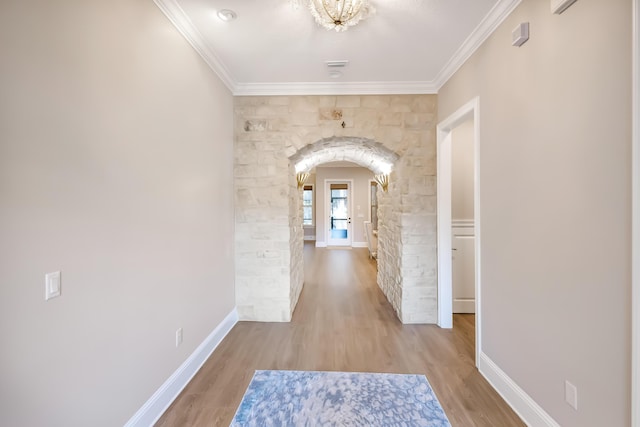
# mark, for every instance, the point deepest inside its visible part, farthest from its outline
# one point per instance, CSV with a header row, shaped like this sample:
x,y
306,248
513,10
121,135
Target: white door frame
x,y
445,285
635,225
327,203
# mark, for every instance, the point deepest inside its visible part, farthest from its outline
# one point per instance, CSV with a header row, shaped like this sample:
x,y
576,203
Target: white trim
x,y
359,245
321,244
445,290
153,409
443,219
531,413
183,24
489,24
335,88
635,225
559,6
462,223
309,238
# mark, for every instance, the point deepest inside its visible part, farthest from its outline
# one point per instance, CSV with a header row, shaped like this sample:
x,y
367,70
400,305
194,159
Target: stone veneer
x,y
273,134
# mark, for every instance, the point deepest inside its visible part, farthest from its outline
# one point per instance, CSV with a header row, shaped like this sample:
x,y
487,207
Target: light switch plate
x,y
571,395
178,337
52,285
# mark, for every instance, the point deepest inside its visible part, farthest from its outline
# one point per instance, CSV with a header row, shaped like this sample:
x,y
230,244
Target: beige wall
x,y
116,168
555,184
360,197
462,170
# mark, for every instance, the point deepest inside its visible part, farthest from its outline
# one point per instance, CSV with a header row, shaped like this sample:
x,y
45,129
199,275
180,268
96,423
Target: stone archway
x,y
361,151
278,136
364,152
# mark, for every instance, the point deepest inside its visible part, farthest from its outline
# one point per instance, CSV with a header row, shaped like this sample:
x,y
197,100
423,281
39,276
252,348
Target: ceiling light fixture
x,y
227,15
339,15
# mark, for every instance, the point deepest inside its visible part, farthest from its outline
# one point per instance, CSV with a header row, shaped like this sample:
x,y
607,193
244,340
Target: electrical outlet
x,y
178,337
571,395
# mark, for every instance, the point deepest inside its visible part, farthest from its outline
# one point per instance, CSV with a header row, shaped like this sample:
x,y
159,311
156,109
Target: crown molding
x,y
183,24
500,11
334,88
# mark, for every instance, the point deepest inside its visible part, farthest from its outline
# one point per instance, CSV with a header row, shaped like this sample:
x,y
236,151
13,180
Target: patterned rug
x,y
305,398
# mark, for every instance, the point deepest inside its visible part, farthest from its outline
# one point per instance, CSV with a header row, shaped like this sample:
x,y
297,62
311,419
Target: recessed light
x,y
227,15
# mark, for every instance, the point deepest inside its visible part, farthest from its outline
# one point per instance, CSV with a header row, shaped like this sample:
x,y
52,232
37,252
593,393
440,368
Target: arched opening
x,y
363,152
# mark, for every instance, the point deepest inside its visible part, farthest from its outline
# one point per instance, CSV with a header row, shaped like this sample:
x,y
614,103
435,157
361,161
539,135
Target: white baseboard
x,y
464,305
309,238
359,244
153,409
530,412
321,244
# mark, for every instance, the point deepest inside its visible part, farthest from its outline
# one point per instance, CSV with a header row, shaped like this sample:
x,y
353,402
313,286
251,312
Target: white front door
x,y
463,270
339,224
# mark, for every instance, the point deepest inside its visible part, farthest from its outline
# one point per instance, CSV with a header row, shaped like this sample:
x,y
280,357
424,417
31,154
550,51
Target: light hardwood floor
x,y
343,323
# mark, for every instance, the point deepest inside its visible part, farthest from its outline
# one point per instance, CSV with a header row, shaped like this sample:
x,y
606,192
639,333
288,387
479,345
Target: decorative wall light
x,y
339,15
302,177
383,180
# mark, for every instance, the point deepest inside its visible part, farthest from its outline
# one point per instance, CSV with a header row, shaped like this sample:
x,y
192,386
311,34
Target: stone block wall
x,y
269,236
296,240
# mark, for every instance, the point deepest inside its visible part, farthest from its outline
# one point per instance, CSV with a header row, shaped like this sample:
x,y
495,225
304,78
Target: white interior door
x,y
339,227
463,269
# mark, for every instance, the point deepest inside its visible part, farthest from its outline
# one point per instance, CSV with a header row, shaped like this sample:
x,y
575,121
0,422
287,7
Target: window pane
x,y
338,193
307,197
307,215
307,205
374,205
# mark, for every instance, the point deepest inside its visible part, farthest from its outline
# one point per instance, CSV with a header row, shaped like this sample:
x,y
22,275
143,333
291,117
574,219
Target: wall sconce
x,y
301,177
383,180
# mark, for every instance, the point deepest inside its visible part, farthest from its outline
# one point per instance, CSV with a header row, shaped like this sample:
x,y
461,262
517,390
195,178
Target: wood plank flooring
x,y
343,323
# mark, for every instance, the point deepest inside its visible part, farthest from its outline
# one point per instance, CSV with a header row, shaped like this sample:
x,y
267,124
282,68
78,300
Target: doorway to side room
x,y
459,279
462,219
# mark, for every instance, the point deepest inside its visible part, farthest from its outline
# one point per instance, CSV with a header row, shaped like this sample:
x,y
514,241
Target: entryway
x,y
459,218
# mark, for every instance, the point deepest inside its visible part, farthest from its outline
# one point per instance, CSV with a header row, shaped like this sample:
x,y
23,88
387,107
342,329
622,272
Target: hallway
x,y
343,323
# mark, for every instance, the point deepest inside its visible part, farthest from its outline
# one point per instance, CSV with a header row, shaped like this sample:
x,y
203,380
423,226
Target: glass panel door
x,y
339,215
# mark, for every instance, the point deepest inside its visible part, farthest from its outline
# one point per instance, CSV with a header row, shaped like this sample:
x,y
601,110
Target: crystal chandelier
x,y
339,15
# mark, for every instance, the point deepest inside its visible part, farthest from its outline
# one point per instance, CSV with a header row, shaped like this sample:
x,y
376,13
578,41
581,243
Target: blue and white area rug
x,y
309,399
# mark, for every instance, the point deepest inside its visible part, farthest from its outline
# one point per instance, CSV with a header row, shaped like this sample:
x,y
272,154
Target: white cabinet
x,y
463,268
